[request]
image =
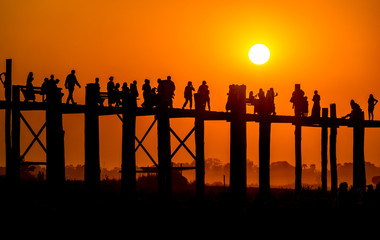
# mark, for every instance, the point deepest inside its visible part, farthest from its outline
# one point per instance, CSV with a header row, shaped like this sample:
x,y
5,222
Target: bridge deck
x,y
208,115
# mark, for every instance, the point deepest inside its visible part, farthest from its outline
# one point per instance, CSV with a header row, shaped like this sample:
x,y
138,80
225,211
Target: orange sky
x,y
332,46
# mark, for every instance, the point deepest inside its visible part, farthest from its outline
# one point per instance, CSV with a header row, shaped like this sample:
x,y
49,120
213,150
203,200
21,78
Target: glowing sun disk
x,y
259,54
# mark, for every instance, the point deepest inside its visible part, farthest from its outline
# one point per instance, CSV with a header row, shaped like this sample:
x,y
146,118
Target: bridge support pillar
x,y
264,157
128,163
55,155
164,153
324,140
91,139
238,143
199,149
333,169
359,178
8,112
13,167
298,165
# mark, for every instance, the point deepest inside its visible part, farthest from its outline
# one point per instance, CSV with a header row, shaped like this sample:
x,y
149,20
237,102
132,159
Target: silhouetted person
x,y
160,92
261,102
53,93
252,100
98,97
355,111
124,94
298,100
369,196
154,97
1,80
117,95
377,195
305,107
147,94
110,91
133,93
171,89
188,94
343,196
371,106
6,85
71,81
29,91
204,95
165,92
44,89
316,110
269,101
229,98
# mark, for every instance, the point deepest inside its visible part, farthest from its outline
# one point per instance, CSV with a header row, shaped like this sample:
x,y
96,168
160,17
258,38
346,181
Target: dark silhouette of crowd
x,y
300,103
163,95
357,197
263,103
160,96
49,88
117,95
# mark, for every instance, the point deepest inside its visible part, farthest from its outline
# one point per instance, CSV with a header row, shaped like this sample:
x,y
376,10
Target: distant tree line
x,y
217,173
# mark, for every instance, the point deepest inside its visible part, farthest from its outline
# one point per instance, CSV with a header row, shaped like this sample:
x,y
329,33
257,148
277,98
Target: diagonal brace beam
x,y
146,151
140,141
182,143
146,134
36,136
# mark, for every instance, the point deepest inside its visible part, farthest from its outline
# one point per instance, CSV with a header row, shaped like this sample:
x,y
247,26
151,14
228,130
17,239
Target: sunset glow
x,y
329,46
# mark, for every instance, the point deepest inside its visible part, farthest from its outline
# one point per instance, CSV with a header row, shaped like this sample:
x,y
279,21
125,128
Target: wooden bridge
x,y
237,117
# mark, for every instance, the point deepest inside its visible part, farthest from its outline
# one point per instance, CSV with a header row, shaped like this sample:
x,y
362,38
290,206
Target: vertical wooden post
x,y
324,149
91,139
359,178
8,112
238,144
164,153
333,133
199,149
128,162
264,157
13,167
55,158
298,167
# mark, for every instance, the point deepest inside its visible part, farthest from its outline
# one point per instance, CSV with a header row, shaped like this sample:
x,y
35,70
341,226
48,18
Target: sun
x,y
259,54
